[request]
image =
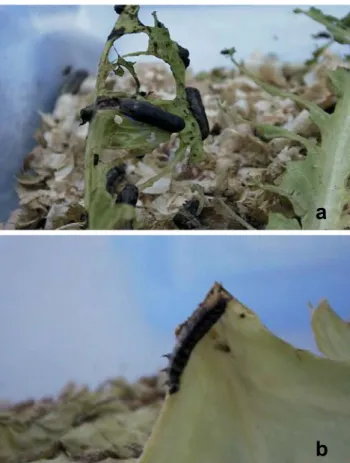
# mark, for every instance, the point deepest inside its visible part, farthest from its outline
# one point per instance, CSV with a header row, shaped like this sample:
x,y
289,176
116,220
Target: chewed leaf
x,y
246,396
332,334
129,124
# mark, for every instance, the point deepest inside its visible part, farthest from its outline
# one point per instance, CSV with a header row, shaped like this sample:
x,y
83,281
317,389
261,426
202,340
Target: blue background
x,y
88,308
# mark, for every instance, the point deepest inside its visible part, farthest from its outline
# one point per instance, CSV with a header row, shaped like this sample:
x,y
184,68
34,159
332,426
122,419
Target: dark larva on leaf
x,y
106,102
128,195
186,217
197,109
114,177
86,114
119,8
186,222
184,55
96,159
145,112
173,388
204,322
197,327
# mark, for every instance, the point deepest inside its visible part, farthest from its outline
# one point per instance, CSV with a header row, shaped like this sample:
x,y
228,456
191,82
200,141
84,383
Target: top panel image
x,y
175,118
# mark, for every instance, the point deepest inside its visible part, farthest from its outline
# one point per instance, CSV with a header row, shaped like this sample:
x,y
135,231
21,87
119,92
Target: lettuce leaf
x,y
259,400
317,186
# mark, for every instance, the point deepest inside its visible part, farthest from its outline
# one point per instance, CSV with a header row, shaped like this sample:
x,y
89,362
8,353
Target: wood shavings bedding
x,y
51,184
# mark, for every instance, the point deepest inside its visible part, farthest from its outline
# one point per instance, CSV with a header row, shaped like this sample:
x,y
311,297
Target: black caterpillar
x,y
86,114
114,177
143,111
184,55
128,195
187,216
96,159
197,109
191,333
147,113
119,8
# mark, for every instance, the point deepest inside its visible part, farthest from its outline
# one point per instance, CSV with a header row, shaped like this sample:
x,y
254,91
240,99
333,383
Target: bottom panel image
x,y
175,349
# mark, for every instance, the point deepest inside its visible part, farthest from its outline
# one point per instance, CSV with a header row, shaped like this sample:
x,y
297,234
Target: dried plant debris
x,y
232,392
112,422
191,151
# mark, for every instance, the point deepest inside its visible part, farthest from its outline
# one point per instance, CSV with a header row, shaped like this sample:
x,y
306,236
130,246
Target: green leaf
x,y
278,221
319,181
247,396
332,333
317,53
337,27
119,71
131,138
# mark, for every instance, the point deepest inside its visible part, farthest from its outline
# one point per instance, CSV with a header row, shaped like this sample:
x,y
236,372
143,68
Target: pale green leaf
x,y
318,183
258,401
332,333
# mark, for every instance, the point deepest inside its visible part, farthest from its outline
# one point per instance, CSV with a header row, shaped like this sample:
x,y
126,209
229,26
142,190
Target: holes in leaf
x,y
145,15
129,43
154,74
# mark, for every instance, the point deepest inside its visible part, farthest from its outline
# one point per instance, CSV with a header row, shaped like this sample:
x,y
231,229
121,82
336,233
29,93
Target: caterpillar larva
x,y
191,332
143,111
197,109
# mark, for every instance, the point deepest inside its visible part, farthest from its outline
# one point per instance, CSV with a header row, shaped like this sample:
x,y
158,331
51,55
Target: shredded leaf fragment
x,y
141,128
